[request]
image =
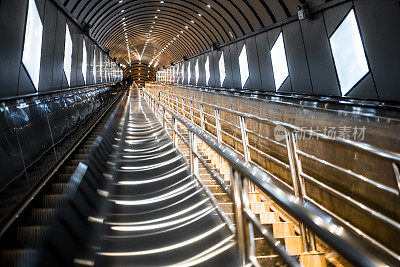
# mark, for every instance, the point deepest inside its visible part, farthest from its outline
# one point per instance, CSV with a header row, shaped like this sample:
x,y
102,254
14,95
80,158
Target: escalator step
x,y
79,157
52,200
70,168
18,257
29,236
58,188
40,216
63,178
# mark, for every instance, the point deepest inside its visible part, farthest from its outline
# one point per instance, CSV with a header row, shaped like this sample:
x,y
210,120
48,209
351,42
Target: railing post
x,y
164,119
202,117
194,161
245,143
174,132
245,139
241,203
191,110
308,238
183,108
218,125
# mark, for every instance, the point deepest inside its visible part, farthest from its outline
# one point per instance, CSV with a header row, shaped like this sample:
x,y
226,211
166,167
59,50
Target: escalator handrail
x,y
25,96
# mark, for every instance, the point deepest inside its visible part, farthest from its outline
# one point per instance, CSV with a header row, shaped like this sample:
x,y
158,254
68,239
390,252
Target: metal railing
x,y
211,121
243,173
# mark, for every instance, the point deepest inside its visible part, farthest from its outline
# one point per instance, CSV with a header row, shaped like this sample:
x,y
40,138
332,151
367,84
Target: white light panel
x,y
84,61
197,71
348,53
207,68
68,54
222,72
33,43
279,63
189,73
183,72
94,66
243,66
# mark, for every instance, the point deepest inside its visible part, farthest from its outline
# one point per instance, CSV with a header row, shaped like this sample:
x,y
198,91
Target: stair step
x,y
52,200
58,188
41,216
30,235
222,197
18,257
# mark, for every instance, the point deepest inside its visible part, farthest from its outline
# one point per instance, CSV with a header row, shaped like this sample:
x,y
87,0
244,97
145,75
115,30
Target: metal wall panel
x,y
235,50
264,60
379,23
322,70
12,28
228,67
252,57
48,45
296,58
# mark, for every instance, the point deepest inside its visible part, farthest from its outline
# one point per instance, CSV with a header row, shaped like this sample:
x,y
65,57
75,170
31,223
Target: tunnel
x,y
199,133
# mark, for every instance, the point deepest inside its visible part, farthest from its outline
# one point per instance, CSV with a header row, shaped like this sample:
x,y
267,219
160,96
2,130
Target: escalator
x,y
21,238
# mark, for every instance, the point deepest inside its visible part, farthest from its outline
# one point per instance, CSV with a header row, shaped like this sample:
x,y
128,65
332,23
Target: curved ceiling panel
x,y
161,32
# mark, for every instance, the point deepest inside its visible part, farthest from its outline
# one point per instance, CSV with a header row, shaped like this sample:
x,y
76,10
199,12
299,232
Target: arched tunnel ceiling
x,y
161,32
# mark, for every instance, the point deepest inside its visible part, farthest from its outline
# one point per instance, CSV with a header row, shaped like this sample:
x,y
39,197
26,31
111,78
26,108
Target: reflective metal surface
x,y
36,132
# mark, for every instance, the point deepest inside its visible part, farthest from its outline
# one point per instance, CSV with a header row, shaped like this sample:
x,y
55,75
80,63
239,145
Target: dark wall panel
x,y
379,23
265,64
59,81
335,15
235,50
25,85
48,44
252,58
364,89
12,25
296,59
228,67
322,70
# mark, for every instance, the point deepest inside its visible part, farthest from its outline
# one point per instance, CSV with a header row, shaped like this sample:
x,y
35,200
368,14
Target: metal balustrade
x,y
195,111
313,218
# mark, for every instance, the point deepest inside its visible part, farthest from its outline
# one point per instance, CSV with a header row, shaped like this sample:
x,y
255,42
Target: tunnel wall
x,y
310,60
14,79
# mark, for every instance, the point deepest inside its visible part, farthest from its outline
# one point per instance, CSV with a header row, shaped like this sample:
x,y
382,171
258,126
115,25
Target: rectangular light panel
x,y
33,43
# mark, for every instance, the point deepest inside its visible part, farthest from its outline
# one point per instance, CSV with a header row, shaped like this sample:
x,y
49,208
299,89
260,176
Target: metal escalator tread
x,y
158,213
42,216
29,236
18,257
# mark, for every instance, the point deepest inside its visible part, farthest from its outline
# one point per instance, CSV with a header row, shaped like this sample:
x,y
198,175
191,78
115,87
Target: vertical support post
x,y
183,108
218,125
174,131
202,117
194,161
164,119
245,139
191,110
298,186
241,202
245,143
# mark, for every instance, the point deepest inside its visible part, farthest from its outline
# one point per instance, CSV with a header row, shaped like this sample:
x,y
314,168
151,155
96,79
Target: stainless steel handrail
x,y
319,222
